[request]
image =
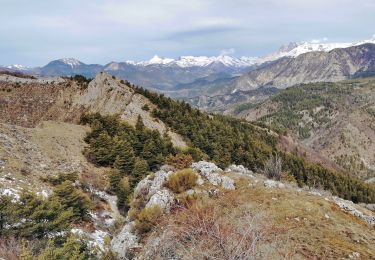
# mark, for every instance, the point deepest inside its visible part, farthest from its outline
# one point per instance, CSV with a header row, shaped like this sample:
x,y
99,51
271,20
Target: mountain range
x,y
223,82
186,72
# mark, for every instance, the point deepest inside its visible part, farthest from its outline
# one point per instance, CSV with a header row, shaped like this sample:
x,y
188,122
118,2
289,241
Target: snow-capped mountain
x,y
18,67
295,49
185,72
198,61
71,62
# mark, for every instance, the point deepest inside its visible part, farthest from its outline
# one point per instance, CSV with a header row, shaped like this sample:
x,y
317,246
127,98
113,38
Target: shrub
x,y
147,218
61,177
180,161
146,107
273,168
182,180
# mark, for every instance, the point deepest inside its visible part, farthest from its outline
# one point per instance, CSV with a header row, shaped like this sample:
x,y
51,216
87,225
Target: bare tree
x,y
273,167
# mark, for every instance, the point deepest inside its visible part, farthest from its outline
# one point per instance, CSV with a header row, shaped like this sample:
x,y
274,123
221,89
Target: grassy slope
x,y
289,224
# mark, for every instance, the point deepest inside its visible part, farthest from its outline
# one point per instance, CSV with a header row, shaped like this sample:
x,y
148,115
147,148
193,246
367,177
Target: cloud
x,y
33,32
225,52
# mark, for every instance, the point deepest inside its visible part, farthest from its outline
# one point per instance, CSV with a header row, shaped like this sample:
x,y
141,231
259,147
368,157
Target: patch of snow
x,y
197,61
71,62
95,239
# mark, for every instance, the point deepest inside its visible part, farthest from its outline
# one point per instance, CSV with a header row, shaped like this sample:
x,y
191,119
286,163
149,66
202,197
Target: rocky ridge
x,y
212,182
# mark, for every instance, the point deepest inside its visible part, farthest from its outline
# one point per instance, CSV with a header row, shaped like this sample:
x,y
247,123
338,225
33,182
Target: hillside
x,y
319,66
109,163
334,119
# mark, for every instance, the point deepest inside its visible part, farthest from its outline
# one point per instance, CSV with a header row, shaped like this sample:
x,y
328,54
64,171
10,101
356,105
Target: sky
x,y
34,32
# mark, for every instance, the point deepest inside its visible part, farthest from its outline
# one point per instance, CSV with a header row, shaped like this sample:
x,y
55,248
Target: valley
x,y
334,119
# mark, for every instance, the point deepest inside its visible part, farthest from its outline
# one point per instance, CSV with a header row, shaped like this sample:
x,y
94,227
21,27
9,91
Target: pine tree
x,y
140,171
70,197
114,180
122,198
149,153
139,126
100,150
125,159
141,136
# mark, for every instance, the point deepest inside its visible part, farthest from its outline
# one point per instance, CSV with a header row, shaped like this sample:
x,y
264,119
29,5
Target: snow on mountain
x,y
197,61
295,49
157,60
71,62
18,67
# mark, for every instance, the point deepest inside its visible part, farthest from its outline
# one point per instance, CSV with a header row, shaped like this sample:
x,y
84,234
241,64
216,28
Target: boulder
x,y
162,198
274,184
151,184
206,168
240,169
213,174
227,183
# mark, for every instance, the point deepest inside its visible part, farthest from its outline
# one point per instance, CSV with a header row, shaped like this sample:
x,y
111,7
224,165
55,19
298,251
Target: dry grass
x,y
285,224
182,180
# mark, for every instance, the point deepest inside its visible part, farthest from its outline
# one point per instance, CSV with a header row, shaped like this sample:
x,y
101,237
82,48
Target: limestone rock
x,y
239,169
227,183
125,242
162,198
213,174
349,207
274,184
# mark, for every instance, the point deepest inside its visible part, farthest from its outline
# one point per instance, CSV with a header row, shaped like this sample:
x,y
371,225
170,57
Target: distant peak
x,y
288,47
71,62
159,60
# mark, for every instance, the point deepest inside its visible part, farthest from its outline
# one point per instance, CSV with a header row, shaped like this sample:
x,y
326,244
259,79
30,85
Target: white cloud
x,y
135,29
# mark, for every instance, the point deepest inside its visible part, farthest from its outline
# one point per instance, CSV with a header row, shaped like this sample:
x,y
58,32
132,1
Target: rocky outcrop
x,y
28,102
125,242
152,192
213,174
274,184
239,169
349,207
163,199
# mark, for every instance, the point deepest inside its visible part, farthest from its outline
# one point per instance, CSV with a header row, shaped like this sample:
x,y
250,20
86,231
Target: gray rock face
x,y
152,190
152,184
125,242
206,168
213,174
227,183
162,198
